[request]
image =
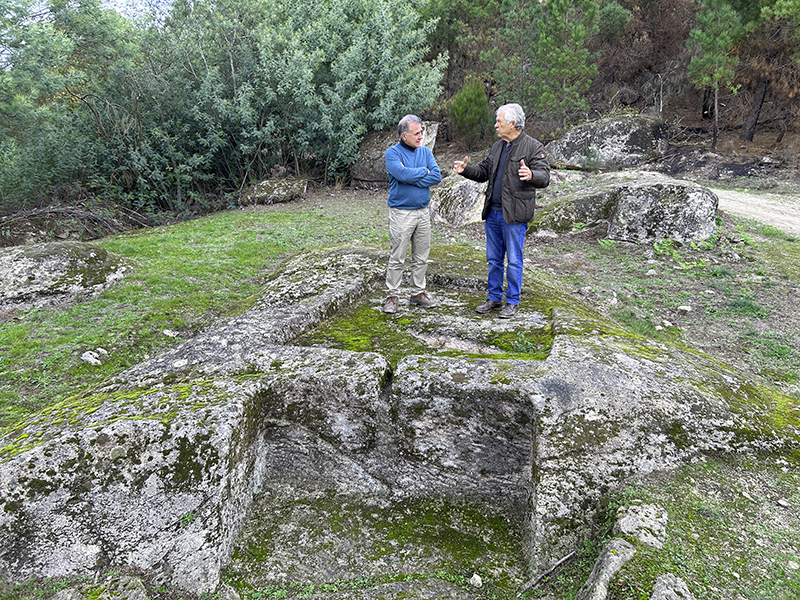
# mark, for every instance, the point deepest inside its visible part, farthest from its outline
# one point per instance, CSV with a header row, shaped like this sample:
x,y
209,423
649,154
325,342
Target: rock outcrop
x,y
369,170
610,143
275,190
458,201
161,468
56,272
638,206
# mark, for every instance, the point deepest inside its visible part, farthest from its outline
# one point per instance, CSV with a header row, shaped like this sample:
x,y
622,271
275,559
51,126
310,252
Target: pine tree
x,y
714,64
565,68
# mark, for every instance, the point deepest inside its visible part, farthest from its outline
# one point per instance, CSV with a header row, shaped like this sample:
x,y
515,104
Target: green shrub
x,y
468,111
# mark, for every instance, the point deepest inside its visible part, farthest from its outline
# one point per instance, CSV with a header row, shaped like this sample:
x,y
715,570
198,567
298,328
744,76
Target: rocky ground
x,y
735,297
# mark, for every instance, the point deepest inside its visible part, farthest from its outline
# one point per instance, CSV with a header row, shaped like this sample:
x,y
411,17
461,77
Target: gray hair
x,y
513,112
406,122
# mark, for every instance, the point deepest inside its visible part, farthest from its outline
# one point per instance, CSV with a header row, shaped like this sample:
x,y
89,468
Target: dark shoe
x,y
509,310
390,306
422,299
488,307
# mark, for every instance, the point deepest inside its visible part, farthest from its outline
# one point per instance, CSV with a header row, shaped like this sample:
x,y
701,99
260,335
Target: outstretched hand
x,y
459,165
525,173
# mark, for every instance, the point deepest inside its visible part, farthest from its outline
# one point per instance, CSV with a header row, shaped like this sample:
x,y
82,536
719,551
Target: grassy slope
x,y
185,277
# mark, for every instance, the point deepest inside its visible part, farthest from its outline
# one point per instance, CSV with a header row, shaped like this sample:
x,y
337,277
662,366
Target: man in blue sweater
x,y
412,171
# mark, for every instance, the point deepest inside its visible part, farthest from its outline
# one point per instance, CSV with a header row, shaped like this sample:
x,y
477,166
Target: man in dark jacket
x,y
515,167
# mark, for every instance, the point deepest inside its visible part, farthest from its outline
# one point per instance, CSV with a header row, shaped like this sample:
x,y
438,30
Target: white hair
x,y
513,112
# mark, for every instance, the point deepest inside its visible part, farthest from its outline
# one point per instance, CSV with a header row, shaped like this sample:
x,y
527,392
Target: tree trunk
x,y
708,109
749,126
716,120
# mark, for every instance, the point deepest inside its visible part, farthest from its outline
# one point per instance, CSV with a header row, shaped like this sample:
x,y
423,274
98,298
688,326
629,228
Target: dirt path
x,y
778,210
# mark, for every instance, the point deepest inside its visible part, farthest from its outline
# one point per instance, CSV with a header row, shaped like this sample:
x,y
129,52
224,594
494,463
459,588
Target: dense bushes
x,y
180,109
205,99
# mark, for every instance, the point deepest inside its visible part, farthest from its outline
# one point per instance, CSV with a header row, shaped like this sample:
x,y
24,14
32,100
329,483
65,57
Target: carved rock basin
x,y
242,449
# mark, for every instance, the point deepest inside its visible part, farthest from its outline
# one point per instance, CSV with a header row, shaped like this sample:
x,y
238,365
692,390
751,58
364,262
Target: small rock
x,y
127,588
647,523
611,298
612,558
783,503
476,581
226,592
91,357
731,256
670,587
68,594
652,272
793,566
684,310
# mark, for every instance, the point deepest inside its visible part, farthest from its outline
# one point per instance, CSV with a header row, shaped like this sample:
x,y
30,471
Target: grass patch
x,y
637,324
774,355
185,277
721,533
748,307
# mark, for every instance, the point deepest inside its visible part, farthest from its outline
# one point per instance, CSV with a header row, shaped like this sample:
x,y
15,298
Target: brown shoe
x,y
422,299
488,307
509,310
390,306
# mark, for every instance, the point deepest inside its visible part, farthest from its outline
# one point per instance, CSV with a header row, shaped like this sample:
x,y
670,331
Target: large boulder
x,y
610,143
158,469
56,272
637,206
274,191
369,170
458,201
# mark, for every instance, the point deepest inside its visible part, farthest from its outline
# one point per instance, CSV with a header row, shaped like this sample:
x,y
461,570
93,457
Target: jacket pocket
x,y
524,206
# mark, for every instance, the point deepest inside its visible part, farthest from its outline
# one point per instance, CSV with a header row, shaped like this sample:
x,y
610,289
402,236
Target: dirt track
x,y
778,210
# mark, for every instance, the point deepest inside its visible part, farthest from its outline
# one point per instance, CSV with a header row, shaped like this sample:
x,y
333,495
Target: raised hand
x,y
458,166
525,173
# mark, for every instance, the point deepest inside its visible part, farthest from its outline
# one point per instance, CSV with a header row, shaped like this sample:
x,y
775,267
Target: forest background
x,y
165,110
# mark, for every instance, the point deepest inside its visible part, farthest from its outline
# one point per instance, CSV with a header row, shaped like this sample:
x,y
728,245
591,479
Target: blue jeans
x,y
504,241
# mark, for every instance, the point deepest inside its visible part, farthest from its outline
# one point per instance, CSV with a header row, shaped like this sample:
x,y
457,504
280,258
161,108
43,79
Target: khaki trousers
x,y
406,226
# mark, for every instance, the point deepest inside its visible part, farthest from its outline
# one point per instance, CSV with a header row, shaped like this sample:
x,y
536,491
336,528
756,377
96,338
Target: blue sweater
x,y
411,175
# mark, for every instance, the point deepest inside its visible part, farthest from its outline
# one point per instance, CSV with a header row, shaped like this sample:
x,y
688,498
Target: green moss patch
x,y
451,329
342,543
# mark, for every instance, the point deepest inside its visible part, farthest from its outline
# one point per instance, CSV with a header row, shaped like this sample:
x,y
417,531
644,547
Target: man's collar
x,y
404,145
515,138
